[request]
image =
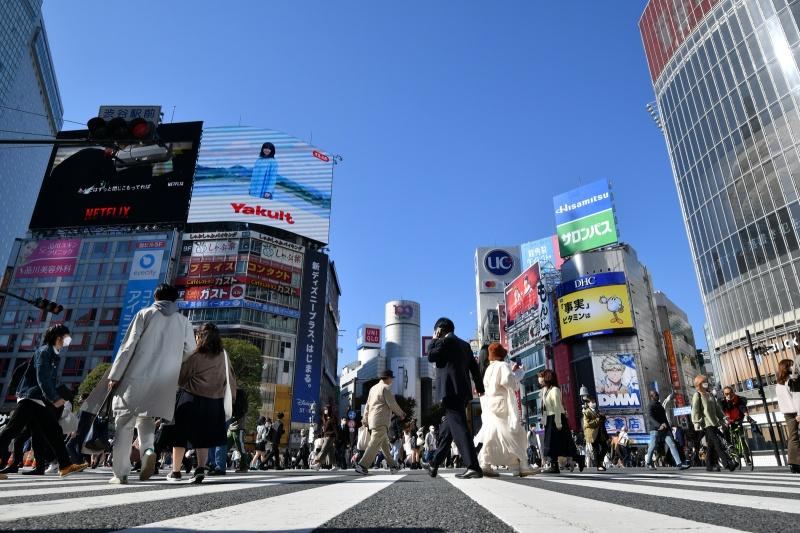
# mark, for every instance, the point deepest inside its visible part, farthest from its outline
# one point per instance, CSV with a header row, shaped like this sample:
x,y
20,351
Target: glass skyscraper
x,y
30,107
726,79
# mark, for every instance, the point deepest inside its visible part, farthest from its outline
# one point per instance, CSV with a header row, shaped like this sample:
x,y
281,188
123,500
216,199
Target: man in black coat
x,y
455,363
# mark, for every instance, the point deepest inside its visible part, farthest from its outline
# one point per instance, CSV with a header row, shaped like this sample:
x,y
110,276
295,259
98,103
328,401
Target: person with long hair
x,y
262,437
788,392
265,173
328,450
707,416
558,441
200,411
504,439
39,401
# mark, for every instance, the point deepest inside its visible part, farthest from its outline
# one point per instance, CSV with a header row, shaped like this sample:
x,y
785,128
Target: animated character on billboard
x,y
615,307
265,173
618,377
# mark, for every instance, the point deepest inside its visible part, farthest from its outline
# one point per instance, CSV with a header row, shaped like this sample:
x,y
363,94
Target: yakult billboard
x,y
262,176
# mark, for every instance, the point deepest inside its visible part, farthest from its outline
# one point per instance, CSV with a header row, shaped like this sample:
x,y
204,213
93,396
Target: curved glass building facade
x,y
726,79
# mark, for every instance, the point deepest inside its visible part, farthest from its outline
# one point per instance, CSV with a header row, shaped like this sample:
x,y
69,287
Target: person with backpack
x,y
39,401
144,377
201,411
275,439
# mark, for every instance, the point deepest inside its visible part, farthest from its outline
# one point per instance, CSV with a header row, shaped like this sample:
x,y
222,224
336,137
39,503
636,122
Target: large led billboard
x,y
585,218
88,186
594,305
616,381
261,176
527,310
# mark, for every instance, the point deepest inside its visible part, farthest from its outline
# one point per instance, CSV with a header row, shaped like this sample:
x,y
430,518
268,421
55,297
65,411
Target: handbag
x,y
228,394
363,438
96,439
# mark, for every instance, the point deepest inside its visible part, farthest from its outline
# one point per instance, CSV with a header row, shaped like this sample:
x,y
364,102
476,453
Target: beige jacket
x,y
552,404
380,405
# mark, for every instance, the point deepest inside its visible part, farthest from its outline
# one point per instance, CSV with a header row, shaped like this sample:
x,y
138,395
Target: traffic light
x,y
119,129
46,305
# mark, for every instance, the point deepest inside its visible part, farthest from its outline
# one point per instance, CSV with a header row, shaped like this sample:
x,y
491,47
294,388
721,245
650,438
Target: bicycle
x,y
739,443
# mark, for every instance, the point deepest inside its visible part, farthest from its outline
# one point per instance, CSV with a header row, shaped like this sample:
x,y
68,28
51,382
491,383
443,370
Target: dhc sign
x,y
499,262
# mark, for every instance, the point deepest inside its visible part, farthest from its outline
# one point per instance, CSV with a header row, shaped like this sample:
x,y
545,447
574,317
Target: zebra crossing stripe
x,y
287,512
722,498
17,511
525,508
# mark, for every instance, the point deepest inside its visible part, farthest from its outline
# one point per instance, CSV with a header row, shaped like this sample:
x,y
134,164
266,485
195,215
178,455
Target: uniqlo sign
x,y
369,336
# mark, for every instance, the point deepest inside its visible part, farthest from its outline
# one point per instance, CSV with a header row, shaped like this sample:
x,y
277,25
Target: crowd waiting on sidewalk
x,y
170,401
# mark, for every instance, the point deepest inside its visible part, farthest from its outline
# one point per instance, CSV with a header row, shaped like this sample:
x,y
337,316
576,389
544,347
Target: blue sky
x,y
457,122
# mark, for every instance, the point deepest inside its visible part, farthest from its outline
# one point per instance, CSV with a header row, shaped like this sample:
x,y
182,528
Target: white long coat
x,y
502,432
148,362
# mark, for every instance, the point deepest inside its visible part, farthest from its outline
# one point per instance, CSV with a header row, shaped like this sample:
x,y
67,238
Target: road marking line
x,y
721,498
728,479
14,483
523,506
16,511
287,512
697,482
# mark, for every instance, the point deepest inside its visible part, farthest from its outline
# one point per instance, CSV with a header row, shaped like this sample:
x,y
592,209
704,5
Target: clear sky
x,y
457,122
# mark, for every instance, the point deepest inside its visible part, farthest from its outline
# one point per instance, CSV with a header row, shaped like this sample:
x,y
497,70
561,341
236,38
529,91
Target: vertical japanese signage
x,y
310,336
674,375
502,324
585,218
142,282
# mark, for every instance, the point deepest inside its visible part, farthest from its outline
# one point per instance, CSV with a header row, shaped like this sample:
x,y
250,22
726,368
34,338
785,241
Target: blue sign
x,y
602,279
499,262
310,337
351,415
542,251
582,202
142,282
748,383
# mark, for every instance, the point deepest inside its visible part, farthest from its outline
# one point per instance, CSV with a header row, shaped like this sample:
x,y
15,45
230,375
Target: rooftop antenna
x,y
172,117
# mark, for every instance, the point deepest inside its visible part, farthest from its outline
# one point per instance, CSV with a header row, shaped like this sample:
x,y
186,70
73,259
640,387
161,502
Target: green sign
x,y
587,233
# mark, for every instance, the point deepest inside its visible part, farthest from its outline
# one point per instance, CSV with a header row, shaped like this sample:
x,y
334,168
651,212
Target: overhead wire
x,y
38,114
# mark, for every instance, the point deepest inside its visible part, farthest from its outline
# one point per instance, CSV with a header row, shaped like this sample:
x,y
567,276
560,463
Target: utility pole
x,y
753,358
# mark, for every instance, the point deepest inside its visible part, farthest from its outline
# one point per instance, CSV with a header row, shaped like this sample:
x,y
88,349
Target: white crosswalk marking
x,y
724,497
526,508
288,512
50,507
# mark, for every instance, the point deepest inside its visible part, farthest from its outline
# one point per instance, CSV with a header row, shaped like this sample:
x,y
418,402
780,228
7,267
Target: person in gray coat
x,y
144,378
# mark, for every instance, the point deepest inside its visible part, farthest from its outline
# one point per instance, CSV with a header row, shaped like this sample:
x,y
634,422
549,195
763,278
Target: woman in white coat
x,y
789,405
502,431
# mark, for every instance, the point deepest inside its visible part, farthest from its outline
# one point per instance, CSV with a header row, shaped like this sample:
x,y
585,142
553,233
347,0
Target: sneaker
x,y
118,480
361,470
650,466
3,476
682,466
198,476
72,469
393,470
488,472
34,472
174,476
10,469
52,469
333,469
214,472
148,464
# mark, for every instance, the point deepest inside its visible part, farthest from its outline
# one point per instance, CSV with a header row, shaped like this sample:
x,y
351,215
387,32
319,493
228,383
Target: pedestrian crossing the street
x,y
620,501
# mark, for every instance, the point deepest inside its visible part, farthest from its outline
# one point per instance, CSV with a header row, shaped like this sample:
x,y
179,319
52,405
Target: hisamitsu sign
x,y
585,218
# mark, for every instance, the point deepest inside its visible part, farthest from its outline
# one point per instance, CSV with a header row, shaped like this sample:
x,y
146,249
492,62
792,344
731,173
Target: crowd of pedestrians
x,y
173,396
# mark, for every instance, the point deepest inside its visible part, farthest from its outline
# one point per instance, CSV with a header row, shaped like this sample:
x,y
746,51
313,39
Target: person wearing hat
x,y
504,439
377,418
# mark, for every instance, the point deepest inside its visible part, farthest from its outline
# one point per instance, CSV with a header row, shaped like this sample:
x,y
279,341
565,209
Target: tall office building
x,y
727,85
30,107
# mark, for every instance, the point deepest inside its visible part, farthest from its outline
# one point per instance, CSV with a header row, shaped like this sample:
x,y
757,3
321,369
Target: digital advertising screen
x,y
616,381
594,305
90,186
261,176
585,218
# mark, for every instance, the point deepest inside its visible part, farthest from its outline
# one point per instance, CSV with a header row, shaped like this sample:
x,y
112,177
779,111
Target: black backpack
x,y
240,405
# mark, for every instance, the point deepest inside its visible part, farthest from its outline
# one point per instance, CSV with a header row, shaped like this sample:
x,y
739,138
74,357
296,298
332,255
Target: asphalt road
x,y
619,501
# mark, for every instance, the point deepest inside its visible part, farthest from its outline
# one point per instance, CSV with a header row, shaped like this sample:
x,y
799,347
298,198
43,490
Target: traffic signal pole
x,y
753,358
40,303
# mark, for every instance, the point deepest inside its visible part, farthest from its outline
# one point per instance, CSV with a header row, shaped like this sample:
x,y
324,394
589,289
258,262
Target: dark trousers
x,y
714,450
600,448
454,428
43,424
275,454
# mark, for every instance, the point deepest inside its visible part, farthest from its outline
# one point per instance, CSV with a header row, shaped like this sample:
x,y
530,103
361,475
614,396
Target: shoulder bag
x,y
228,393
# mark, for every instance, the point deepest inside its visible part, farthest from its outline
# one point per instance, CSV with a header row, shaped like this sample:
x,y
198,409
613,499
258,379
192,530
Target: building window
x,y
115,291
30,342
7,343
110,316
80,341
73,366
10,317
119,270
85,316
104,340
4,364
101,249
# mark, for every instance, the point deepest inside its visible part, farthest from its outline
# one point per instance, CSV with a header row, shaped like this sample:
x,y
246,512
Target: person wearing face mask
x,y
788,392
707,416
558,441
38,401
594,431
660,430
328,451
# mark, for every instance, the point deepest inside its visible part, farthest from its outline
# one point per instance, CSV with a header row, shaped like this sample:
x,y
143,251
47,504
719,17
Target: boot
x,y
794,469
552,469
581,462
14,468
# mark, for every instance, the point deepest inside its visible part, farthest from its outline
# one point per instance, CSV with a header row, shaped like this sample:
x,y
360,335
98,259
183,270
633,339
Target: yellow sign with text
x,y
594,311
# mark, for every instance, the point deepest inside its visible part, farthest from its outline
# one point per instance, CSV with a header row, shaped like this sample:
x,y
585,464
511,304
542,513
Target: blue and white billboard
x,y
542,251
585,218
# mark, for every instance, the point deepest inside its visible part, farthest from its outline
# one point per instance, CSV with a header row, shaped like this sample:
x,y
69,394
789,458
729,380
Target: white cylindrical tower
x,y
403,346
